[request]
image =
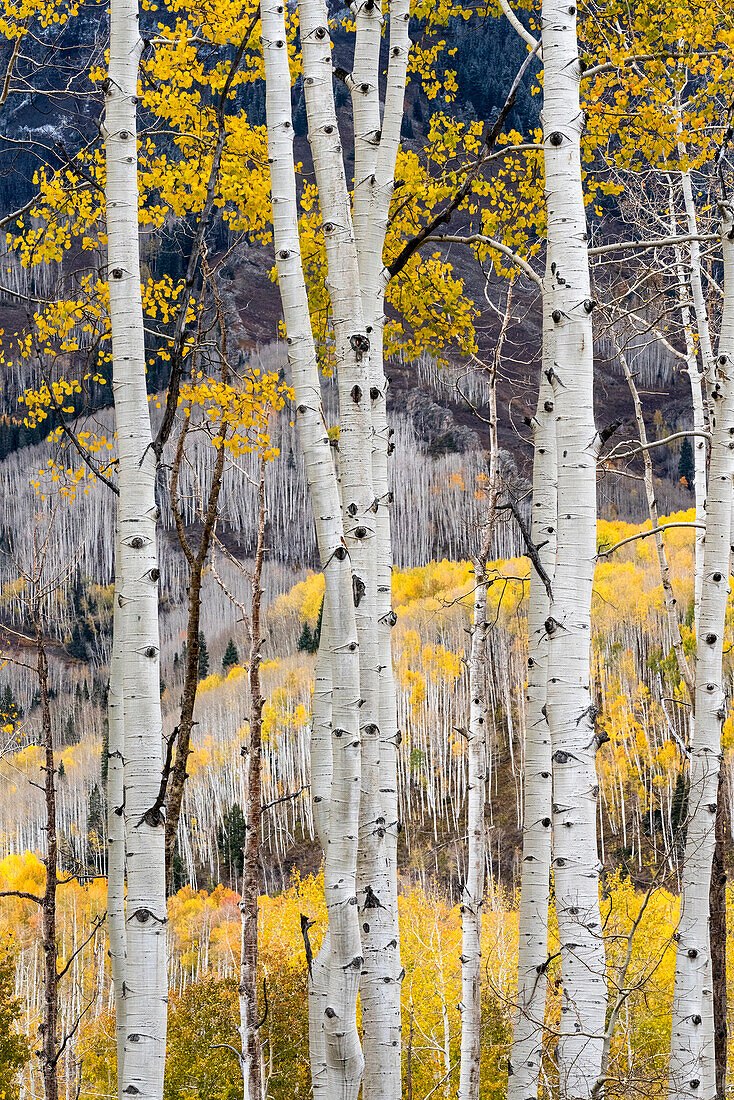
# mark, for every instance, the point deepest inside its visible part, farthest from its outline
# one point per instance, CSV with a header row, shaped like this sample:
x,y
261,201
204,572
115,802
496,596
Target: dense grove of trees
x,y
365,555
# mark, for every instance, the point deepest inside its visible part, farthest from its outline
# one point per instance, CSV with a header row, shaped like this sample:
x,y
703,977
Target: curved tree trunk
x,y
136,584
570,706
692,1054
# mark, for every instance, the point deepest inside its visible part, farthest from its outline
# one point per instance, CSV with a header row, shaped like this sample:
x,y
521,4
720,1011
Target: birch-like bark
x,y
136,584
249,1039
472,896
527,1044
376,143
49,1028
353,346
671,607
343,1055
116,832
692,1061
570,706
696,282
696,379
320,749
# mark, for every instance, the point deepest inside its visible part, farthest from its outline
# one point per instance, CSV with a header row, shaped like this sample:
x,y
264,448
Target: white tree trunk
x,y
692,1066
569,705
671,607
376,144
472,896
527,1045
136,585
696,378
116,831
339,1078
320,746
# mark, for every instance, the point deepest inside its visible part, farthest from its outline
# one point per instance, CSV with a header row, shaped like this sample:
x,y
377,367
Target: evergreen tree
x,y
317,629
310,639
231,656
95,830
14,1049
686,468
203,656
231,839
305,642
679,813
71,737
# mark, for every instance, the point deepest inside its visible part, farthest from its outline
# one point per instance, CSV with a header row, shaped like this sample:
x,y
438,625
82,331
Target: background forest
x,y
366,371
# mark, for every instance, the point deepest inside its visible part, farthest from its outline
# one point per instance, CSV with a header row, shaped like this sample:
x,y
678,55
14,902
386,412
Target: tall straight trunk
x,y
472,895
136,584
717,931
692,1054
251,1059
527,1043
116,832
718,877
320,761
696,379
352,350
671,607
570,705
696,282
50,1020
376,143
340,1050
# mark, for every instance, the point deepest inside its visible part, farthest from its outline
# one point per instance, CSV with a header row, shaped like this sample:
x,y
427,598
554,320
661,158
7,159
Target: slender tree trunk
x,y
251,1061
472,899
318,988
196,562
50,1022
671,606
717,906
472,896
696,379
342,1049
570,705
116,830
692,1056
136,585
527,1044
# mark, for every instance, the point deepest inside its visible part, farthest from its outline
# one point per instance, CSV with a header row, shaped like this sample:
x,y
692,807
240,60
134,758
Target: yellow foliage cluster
x,y
204,938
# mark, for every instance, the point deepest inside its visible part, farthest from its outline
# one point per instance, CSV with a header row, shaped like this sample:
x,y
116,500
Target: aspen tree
x,y
336,1052
376,143
528,1034
356,285
136,584
472,897
116,832
570,707
692,1061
